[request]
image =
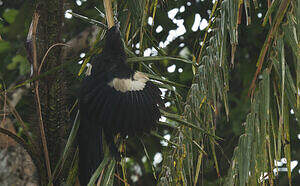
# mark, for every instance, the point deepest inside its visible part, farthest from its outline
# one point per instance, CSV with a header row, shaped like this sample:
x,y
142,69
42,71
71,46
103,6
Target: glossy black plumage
x,y
113,108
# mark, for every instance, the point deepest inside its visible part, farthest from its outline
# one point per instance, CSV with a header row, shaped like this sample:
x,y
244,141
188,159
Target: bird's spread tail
x,y
90,151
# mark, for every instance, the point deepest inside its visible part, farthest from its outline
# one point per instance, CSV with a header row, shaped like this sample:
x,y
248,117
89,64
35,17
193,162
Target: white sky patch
x,y
185,52
180,70
179,31
137,52
167,104
203,24
78,2
138,172
163,119
264,177
163,90
298,136
181,45
68,15
292,111
137,169
196,22
173,34
171,68
80,62
293,164
167,136
283,169
259,15
159,29
157,159
161,44
178,22
137,45
283,160
278,163
163,142
188,3
182,9
150,21
82,55
150,52
134,178
154,51
147,52
172,13
208,12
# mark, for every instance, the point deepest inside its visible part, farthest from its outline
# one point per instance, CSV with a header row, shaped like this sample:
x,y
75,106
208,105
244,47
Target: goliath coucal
x,y
114,99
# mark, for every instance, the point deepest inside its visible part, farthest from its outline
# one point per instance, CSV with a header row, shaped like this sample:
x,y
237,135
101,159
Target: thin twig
x,y
121,179
100,13
92,21
57,44
270,18
100,178
37,97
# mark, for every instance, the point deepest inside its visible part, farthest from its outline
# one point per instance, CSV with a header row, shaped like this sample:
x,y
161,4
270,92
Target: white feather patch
x,y
136,83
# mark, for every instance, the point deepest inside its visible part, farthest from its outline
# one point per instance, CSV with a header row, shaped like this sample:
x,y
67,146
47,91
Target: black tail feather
x,y
90,149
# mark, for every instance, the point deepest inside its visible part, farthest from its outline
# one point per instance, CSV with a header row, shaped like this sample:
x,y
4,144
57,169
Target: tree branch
x,y
37,97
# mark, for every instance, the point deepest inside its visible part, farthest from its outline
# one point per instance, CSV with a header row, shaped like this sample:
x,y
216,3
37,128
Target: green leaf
x,y
67,148
182,121
4,46
109,177
10,15
99,170
12,65
24,67
24,64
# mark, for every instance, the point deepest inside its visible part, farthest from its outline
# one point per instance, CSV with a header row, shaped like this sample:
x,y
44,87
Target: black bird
x,y
113,99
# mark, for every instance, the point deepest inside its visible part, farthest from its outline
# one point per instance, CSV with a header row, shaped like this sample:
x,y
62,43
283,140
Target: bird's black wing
x,y
115,103
90,132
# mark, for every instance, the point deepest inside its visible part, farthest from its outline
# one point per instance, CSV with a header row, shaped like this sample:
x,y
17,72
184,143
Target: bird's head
x,y
113,42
